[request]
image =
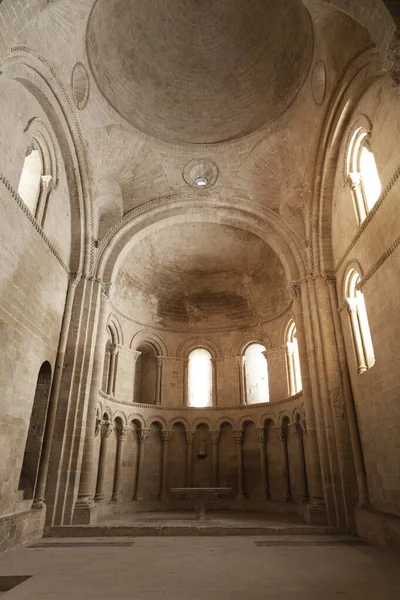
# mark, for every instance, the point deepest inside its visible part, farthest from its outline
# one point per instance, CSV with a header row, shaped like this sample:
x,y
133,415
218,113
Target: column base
x,y
137,498
99,497
38,504
164,497
85,513
240,496
315,513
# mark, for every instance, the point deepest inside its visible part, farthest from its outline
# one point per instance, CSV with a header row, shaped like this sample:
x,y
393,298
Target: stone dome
x,y
218,277
199,71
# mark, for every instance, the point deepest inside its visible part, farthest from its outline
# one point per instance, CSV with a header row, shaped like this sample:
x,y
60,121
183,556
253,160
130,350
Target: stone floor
x,y
302,568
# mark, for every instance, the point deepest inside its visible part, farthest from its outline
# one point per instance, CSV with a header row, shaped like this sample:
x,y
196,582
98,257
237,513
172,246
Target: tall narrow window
x,y
359,322
30,182
256,374
200,376
363,173
293,360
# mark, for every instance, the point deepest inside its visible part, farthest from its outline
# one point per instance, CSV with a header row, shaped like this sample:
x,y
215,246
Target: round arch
x,y
33,72
150,338
199,342
161,213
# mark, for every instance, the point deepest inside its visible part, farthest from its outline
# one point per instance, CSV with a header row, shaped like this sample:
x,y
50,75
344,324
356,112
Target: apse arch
x,y
241,214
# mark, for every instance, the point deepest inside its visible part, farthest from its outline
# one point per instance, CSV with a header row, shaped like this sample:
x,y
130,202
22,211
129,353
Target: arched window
x,y
110,362
31,179
36,433
293,360
147,375
363,173
359,321
200,378
256,374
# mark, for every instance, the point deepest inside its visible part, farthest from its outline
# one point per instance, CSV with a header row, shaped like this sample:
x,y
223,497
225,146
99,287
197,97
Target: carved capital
x,y
106,429
262,438
329,277
280,433
113,349
122,433
97,427
166,436
354,180
46,183
75,279
214,435
107,291
189,437
238,435
294,288
143,435
136,355
160,360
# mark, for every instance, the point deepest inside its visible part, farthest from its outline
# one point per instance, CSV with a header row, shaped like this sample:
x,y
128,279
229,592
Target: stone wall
x,y
373,247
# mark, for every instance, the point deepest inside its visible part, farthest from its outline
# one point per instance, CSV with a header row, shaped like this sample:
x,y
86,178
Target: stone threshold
x,y
201,529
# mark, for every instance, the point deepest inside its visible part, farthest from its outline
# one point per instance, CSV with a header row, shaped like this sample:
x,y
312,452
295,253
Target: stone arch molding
x,y
40,79
150,338
188,208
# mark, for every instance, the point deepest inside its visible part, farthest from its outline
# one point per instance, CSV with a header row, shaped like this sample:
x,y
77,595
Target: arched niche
x,y
36,431
146,375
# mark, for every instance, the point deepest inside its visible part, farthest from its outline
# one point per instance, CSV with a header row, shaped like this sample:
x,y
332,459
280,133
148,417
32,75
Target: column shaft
x,y
39,500
263,464
239,449
85,483
142,437
106,430
189,441
121,436
166,436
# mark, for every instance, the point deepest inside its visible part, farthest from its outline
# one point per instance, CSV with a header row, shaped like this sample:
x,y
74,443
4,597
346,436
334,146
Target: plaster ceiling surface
x,y
201,276
199,71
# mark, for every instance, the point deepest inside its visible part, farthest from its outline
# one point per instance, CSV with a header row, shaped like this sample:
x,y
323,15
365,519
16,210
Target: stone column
x,y
112,371
185,382
166,436
39,500
136,356
316,511
285,463
214,382
339,440
238,435
262,440
85,511
143,434
46,185
291,368
298,434
242,379
189,442
159,379
121,437
358,343
105,432
214,441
